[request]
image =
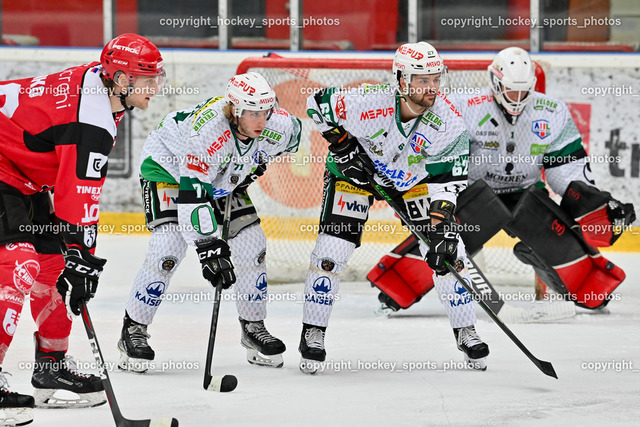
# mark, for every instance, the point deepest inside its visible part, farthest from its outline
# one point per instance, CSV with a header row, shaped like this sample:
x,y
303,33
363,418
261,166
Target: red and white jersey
x,y
56,131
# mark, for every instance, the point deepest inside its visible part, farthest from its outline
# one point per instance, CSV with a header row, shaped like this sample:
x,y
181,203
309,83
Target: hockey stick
x,y
509,313
227,382
544,366
120,420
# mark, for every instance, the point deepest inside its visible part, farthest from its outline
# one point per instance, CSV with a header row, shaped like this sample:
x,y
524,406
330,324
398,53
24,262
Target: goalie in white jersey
x,y
515,133
411,140
190,162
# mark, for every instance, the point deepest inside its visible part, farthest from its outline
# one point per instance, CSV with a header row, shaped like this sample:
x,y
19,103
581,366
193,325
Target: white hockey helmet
x,y
251,92
512,71
417,58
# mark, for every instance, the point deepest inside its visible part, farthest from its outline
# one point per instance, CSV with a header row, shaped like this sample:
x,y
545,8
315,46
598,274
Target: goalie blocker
x,y
567,263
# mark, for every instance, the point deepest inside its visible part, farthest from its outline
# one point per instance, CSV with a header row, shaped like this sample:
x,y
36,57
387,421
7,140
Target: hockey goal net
x,y
288,196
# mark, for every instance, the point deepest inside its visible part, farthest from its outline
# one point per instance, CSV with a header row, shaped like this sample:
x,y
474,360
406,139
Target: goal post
x,y
288,197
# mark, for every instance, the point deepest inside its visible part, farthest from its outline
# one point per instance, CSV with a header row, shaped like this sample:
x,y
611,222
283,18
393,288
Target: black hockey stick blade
x,y
119,419
228,382
545,367
222,384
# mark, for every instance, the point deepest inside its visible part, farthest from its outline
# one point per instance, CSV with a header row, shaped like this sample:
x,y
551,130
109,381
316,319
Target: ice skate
x,y
263,349
383,310
135,353
15,408
386,307
312,348
54,374
475,351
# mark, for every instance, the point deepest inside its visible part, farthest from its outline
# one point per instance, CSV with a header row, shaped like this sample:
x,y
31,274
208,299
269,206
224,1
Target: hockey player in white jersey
x,y
190,162
516,133
412,140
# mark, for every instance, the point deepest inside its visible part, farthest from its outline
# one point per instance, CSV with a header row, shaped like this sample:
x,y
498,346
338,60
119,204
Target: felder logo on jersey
x,y
418,142
270,135
433,120
541,128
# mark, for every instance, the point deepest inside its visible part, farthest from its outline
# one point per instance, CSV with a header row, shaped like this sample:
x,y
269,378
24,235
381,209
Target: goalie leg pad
x,y
402,276
559,255
483,215
588,281
601,217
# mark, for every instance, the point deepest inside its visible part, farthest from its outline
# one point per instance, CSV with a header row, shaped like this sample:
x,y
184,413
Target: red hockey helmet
x,y
132,54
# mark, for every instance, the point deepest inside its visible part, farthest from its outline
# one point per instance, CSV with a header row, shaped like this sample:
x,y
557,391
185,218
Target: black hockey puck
x,y
229,383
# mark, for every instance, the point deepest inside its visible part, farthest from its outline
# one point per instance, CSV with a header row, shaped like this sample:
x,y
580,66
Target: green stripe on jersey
x,y
568,149
152,171
484,120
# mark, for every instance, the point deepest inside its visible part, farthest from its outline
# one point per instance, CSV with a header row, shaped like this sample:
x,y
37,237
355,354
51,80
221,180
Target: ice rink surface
x,y
399,371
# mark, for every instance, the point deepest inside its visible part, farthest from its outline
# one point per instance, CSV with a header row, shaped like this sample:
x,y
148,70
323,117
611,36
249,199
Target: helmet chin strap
x,y
409,106
403,96
234,126
122,95
123,101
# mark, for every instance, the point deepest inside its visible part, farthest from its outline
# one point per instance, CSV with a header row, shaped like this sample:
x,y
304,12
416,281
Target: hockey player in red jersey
x,y
517,132
56,132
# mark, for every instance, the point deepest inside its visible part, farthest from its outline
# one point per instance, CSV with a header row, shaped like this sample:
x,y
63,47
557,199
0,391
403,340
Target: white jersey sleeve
x,y
197,149
432,148
511,157
566,160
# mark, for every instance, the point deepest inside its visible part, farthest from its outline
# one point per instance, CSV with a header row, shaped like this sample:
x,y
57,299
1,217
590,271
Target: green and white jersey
x,y
510,158
433,146
197,149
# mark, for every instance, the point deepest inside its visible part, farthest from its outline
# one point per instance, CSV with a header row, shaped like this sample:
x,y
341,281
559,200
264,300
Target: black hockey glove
x,y
215,257
443,247
352,161
257,173
79,279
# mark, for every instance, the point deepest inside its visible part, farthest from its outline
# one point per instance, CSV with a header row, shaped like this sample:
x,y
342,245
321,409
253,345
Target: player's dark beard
x,y
418,99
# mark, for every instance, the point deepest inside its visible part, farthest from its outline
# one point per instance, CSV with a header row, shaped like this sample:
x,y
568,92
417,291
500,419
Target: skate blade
x,y
309,366
132,364
256,358
477,364
45,398
383,310
15,416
